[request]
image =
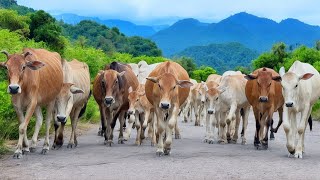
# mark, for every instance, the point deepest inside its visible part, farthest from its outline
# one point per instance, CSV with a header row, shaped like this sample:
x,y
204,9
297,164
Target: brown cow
x,y
110,90
264,93
32,89
167,88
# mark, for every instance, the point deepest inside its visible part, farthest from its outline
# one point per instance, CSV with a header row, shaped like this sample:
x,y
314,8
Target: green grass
x,y
316,111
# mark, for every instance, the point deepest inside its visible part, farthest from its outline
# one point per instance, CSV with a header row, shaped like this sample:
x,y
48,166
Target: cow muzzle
x,y
108,101
263,98
210,111
14,89
61,119
130,112
165,105
289,104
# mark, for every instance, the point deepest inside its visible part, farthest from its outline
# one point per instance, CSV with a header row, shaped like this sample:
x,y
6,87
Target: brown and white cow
x,y
35,79
71,100
144,114
301,86
198,100
167,88
110,90
264,93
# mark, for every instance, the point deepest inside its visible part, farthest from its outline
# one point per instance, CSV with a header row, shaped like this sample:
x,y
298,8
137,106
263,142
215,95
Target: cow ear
x,y
153,79
121,74
276,78
205,87
3,64
35,65
250,77
306,76
184,84
130,89
75,90
221,89
282,71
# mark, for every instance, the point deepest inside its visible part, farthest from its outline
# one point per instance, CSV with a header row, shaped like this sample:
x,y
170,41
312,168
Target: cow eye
x,y
159,86
23,67
217,98
137,100
173,87
296,86
116,81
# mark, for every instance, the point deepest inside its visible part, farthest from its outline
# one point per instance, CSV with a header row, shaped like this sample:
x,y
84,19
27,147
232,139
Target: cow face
x,y
134,101
112,83
264,80
64,101
201,92
290,86
167,86
212,99
16,66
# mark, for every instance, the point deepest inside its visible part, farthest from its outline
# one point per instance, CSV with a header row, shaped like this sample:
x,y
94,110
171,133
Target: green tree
x,y
202,73
187,63
10,19
43,27
318,45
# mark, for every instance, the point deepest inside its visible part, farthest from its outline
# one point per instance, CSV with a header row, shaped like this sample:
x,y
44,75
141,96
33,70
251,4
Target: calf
x,y
301,86
110,90
198,99
264,93
72,98
167,89
187,107
35,79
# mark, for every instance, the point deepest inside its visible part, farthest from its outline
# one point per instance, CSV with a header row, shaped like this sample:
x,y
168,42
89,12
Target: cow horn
x,y
27,54
5,52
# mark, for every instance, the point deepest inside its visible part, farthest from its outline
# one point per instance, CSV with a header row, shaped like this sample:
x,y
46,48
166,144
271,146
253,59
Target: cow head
x,y
64,101
201,89
16,66
212,97
134,101
168,85
264,80
112,83
290,86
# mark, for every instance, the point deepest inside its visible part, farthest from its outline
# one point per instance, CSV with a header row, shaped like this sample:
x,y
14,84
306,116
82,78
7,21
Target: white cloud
x,y
209,10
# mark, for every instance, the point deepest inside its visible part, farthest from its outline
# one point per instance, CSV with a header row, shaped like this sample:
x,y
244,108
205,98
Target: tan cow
x,y
72,98
35,79
187,107
264,93
110,90
198,99
167,88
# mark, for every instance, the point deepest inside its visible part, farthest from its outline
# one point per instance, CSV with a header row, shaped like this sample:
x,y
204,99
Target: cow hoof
x,y
159,153
44,151
17,155
137,143
120,141
243,142
152,144
221,142
205,140
167,151
33,149
233,141
56,146
298,155
25,151
210,141
177,136
108,142
71,146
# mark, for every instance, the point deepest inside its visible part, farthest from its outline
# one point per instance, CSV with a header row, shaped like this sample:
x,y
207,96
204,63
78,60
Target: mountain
x,y
254,32
128,28
221,57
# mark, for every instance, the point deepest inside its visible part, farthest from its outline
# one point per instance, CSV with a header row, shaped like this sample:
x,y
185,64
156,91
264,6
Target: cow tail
x,y
310,122
83,110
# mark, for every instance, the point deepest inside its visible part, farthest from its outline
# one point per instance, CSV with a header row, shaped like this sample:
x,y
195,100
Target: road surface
x,y
190,159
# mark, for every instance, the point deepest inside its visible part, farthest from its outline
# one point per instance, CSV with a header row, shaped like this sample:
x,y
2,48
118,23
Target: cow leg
x,y
102,120
245,117
39,120
154,129
208,129
59,140
131,120
171,123
25,143
280,111
138,127
49,115
121,119
267,125
301,130
108,138
223,129
23,128
235,135
160,132
202,115
177,131
256,136
150,124
197,115
73,142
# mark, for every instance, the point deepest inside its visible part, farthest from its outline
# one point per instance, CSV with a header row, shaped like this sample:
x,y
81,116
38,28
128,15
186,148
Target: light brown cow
x,y
187,107
198,99
167,88
35,79
71,100
264,93
110,90
141,107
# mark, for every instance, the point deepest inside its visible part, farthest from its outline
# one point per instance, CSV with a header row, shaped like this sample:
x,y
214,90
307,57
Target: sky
x,y
168,11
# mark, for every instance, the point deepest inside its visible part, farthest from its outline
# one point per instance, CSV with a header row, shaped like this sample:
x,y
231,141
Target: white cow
x,y
231,73
228,102
301,86
145,70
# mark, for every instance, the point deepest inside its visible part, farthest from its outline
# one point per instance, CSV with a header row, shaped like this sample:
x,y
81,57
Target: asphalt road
x,y
190,159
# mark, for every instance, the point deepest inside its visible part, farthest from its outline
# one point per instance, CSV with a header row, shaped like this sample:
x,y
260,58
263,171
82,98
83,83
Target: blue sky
x,y
168,11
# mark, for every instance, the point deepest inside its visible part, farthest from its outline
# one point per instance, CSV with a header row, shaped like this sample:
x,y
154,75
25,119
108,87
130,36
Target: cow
x,y
35,79
300,86
140,105
110,90
212,83
264,93
198,99
72,98
134,68
231,73
167,89
229,100
187,107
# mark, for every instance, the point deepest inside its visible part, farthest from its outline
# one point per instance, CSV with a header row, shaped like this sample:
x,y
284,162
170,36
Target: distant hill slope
x,y
221,57
252,31
126,27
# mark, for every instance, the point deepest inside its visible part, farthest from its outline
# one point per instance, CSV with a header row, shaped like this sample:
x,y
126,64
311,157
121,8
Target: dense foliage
x,y
222,57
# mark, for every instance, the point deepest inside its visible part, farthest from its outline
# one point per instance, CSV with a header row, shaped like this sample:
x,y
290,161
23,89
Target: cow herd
x,y
151,97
